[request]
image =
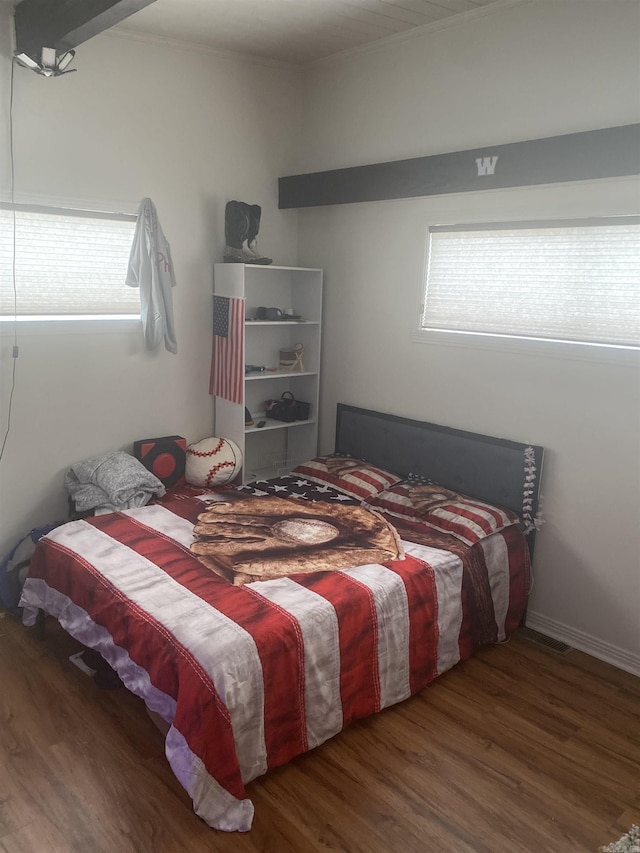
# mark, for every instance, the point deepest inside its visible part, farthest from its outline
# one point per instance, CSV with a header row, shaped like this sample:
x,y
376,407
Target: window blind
x,y
563,281
66,262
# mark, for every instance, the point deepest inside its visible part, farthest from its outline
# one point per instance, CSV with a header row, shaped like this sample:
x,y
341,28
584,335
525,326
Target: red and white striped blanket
x,y
250,676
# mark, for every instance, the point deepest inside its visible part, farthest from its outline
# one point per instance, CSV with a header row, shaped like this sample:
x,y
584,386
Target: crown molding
x,y
123,33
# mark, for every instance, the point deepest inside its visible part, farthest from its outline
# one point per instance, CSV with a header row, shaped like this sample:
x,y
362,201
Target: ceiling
x,y
294,31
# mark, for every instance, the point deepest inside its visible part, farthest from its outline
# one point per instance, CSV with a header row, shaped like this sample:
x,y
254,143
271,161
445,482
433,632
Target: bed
x,y
249,670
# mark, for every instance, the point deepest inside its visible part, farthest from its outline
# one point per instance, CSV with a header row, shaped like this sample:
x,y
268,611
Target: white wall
x,y
530,70
191,130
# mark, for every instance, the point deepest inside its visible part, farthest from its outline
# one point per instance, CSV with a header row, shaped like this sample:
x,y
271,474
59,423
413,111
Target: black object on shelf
x,y
287,408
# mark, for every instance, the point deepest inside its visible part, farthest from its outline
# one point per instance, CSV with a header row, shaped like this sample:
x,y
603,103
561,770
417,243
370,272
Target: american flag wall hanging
x,y
227,358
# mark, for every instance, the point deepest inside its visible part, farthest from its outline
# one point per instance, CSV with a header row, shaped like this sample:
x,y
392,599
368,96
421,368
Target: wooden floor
x,y
518,749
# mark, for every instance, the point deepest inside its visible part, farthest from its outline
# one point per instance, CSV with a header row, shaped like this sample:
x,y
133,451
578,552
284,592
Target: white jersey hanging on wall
x,y
151,269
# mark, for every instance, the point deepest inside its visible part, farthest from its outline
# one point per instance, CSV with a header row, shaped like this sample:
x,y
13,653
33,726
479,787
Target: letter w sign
x,y
486,165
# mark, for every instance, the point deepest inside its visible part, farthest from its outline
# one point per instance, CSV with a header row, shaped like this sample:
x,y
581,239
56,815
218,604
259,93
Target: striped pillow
x,y
441,509
354,477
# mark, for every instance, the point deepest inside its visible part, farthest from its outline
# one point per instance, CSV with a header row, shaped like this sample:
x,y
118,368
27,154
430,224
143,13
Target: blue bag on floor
x,y
14,567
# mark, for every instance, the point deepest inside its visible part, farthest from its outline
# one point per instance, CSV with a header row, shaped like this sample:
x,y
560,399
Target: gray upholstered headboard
x,y
487,468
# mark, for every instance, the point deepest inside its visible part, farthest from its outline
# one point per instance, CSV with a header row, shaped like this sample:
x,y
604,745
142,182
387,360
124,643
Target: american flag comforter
x,y
250,676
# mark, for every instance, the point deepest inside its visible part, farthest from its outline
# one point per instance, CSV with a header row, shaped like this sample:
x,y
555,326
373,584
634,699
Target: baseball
x,y
212,462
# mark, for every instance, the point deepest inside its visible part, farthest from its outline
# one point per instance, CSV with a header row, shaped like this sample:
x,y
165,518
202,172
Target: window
x,y
576,281
67,263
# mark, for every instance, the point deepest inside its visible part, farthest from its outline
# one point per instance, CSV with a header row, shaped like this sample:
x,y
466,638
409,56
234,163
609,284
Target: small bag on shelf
x,y
287,408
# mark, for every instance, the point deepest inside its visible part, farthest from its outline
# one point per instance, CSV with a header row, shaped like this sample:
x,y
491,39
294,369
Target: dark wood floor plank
x,y
562,759
38,836
466,777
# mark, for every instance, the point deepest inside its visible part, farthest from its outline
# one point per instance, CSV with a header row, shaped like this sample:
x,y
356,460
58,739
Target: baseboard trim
x,y
584,642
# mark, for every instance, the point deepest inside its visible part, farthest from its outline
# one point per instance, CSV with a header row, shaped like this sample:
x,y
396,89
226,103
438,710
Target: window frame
x,y
518,343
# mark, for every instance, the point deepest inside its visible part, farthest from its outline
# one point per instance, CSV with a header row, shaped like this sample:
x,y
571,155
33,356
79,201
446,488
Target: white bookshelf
x,y
276,447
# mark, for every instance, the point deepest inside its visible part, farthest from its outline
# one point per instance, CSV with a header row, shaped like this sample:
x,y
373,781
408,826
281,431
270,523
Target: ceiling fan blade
x,y
64,60
27,62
